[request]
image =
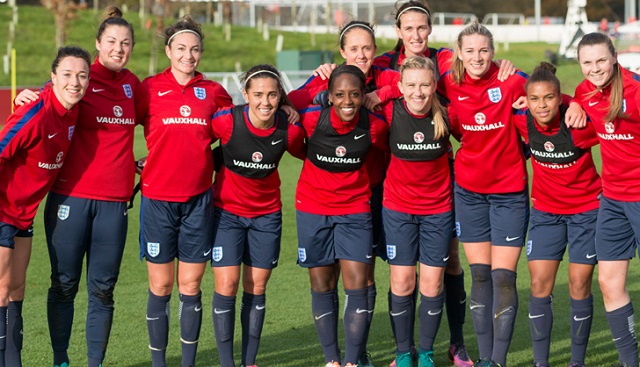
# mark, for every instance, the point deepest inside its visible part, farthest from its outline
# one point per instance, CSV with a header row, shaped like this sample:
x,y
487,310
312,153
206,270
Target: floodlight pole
x,y
537,16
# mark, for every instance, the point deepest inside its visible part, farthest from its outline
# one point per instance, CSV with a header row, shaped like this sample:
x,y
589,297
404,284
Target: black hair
x,y
72,51
114,17
544,73
347,69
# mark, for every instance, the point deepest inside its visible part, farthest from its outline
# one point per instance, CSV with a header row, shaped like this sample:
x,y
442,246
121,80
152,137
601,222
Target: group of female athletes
x,y
377,180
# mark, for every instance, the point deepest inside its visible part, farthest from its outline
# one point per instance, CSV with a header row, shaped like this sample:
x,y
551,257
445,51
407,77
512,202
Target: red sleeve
x,y
295,144
383,60
222,98
585,138
142,101
520,121
445,60
454,124
387,84
222,124
379,132
19,131
303,96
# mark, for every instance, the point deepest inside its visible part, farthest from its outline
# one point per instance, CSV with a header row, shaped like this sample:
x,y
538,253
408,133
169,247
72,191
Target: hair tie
x,y
356,25
182,31
260,72
413,8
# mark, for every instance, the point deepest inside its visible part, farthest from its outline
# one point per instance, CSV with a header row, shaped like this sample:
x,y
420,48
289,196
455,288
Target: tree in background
x,y
61,9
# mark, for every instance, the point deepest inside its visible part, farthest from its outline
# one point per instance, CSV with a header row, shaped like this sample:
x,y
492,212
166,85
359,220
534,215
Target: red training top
x,y
100,164
33,147
417,187
336,193
570,188
490,159
177,126
243,196
619,139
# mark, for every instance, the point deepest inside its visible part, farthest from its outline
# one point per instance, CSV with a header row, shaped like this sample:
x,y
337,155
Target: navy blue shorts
x,y
376,222
325,239
499,218
8,232
413,238
550,233
252,241
170,230
617,230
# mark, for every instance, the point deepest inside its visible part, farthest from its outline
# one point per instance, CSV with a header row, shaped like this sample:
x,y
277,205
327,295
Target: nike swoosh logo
x,y
509,239
591,256
463,301
97,90
445,258
220,312
434,313
581,318
593,103
125,213
368,256
152,318
160,94
531,317
260,308
462,98
358,136
197,308
616,339
323,315
473,307
363,311
51,135
206,253
276,142
397,314
274,262
496,315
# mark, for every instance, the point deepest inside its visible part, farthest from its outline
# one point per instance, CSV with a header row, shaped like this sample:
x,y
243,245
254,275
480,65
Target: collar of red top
x,y
169,75
486,78
57,106
553,126
100,71
343,124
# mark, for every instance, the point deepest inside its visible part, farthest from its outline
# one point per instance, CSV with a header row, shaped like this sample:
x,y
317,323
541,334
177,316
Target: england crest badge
x,y
201,93
217,253
153,248
71,128
495,95
302,254
63,211
127,90
391,252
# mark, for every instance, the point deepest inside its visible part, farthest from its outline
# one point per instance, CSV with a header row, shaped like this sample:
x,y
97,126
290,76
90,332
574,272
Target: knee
x,y
480,273
102,294
403,285
579,288
63,291
611,285
431,287
540,287
321,285
254,286
227,286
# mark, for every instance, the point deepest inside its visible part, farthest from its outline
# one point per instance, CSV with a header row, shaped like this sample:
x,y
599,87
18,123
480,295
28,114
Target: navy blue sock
x,y
372,293
14,334
456,302
430,317
94,362
252,315
400,315
355,322
190,315
505,310
581,319
158,327
540,324
3,334
481,308
324,306
60,312
622,325
224,319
